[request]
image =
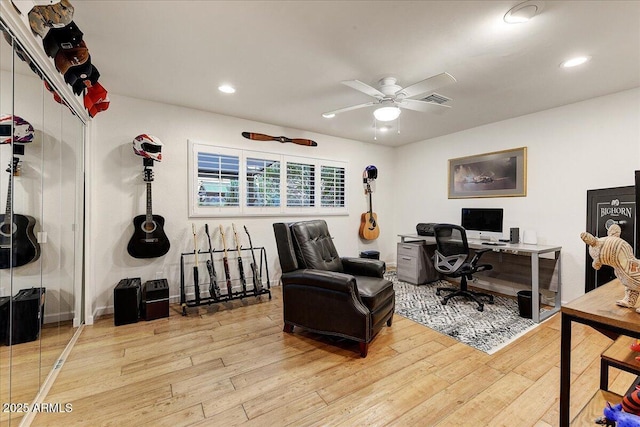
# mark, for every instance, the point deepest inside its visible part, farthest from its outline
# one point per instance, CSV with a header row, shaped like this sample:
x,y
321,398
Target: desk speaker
x,y
514,235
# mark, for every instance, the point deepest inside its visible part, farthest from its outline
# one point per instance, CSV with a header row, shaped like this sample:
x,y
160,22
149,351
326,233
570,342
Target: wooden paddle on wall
x,y
263,137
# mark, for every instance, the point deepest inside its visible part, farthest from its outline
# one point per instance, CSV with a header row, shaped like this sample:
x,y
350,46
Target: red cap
x,y
96,99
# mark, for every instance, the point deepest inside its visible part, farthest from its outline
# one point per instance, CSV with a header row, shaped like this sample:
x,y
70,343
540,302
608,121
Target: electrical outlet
x,y
3,291
159,274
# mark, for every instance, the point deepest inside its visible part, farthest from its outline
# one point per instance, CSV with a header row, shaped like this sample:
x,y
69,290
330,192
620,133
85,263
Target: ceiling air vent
x,y
436,98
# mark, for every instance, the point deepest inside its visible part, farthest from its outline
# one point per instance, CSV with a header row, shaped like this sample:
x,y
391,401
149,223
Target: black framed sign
x,y
605,207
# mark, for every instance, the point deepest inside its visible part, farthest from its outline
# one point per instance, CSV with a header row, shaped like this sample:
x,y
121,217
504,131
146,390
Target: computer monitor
x,y
483,222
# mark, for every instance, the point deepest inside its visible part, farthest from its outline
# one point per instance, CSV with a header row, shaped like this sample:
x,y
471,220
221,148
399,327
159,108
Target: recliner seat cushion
x,y
374,291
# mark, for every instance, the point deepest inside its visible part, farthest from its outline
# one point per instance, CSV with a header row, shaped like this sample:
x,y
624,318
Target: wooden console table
x,y
598,310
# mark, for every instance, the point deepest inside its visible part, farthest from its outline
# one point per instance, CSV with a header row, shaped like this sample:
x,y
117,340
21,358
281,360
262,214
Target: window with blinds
x,y
227,181
218,180
263,182
301,185
332,191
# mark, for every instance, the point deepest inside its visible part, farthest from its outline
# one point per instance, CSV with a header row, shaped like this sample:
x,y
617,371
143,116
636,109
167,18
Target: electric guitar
x,y
18,244
257,280
149,239
369,221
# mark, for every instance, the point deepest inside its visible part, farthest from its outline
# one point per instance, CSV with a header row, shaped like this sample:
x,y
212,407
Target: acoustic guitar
x,y
149,239
18,244
369,229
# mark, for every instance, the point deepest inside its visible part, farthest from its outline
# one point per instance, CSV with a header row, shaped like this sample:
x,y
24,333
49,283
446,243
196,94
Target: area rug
x,y
488,330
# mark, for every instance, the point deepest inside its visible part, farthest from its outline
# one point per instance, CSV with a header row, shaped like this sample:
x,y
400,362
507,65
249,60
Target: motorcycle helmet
x,y
148,146
22,130
370,173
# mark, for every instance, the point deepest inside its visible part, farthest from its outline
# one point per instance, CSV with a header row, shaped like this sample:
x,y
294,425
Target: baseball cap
x,y
66,37
56,15
80,71
96,99
82,83
67,58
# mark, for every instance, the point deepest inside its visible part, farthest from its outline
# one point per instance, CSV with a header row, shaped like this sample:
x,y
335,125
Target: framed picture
x,y
496,174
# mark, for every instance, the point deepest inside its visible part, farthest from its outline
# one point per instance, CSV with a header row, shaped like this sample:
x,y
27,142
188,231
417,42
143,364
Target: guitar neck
x,y
8,211
149,212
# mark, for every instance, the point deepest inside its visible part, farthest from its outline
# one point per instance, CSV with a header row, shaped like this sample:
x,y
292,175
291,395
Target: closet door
x,y
41,189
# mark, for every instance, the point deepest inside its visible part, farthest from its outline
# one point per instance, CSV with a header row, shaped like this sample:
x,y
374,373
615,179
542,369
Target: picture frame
x,y
495,174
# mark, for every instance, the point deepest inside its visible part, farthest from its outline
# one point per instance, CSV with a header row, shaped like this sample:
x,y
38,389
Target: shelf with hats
x,y
49,35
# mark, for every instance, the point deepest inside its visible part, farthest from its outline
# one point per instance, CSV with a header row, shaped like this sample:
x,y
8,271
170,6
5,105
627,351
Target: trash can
x,y
525,301
370,254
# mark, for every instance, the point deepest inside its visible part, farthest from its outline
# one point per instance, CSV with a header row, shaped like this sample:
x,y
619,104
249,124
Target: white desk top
x,y
478,244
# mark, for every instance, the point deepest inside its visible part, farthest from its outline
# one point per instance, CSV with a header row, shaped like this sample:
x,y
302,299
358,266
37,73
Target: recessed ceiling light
x,y
227,89
328,115
523,12
574,62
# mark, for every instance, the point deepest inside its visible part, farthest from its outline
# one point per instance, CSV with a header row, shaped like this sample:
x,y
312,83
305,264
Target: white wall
x,y
117,192
571,149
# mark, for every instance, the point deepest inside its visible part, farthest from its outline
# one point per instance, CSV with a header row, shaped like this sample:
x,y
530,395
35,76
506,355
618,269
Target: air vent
x,y
436,98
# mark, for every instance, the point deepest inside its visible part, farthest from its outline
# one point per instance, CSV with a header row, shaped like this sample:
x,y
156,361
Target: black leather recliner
x,y
326,294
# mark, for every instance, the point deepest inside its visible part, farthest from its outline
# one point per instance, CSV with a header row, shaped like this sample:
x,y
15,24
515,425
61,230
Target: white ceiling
x,y
287,59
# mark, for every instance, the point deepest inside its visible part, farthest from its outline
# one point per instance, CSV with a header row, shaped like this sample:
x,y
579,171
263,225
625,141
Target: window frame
x,y
195,210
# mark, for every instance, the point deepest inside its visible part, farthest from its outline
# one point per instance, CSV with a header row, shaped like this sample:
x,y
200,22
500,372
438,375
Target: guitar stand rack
x,y
222,281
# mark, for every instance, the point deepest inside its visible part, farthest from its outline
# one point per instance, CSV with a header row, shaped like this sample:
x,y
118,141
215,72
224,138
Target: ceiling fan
x,y
390,97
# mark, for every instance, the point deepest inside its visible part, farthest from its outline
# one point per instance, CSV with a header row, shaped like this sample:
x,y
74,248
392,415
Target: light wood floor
x,y
224,365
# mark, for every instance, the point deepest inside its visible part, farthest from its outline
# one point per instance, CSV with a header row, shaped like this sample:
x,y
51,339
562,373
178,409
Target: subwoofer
x,y
126,301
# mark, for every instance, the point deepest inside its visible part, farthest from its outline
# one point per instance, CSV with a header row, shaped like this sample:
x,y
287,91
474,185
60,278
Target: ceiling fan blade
x,y
423,106
427,85
364,88
353,107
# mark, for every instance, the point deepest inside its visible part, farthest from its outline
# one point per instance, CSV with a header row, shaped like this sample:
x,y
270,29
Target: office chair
x,y
452,259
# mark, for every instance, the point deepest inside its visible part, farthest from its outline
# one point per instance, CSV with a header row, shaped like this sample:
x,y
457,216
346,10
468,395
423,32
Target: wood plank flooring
x,y
231,364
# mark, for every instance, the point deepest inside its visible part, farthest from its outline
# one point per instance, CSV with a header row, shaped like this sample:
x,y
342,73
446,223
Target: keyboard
x,y
493,244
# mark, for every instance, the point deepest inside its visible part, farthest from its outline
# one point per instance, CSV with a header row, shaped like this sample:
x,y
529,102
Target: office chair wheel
x,y
444,301
481,307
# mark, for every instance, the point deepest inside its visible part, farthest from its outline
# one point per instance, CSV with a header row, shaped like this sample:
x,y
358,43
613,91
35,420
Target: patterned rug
x,y
488,330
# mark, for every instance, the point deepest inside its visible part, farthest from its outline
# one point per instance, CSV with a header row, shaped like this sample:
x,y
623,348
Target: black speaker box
x,y
155,299
126,301
27,316
514,235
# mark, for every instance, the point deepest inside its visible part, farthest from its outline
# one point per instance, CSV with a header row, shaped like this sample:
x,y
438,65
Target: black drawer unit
x,y
27,316
155,299
126,301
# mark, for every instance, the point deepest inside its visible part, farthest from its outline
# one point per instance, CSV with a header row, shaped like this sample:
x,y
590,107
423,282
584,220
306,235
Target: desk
x,y
518,249
598,310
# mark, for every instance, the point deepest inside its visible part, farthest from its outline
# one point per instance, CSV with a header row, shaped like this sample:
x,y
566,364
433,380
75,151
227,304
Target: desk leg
x,y
535,287
565,370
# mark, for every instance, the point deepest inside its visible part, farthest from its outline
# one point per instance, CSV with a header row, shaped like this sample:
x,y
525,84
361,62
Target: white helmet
x,y
22,130
148,146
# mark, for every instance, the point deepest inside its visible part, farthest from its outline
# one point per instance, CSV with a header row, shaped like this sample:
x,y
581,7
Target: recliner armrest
x,y
363,266
330,280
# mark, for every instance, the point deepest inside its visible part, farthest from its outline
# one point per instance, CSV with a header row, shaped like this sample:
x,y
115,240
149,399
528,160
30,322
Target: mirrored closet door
x,y
41,232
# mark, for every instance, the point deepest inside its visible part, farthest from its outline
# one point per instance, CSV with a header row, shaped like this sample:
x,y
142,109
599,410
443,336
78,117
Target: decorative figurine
x,y
617,253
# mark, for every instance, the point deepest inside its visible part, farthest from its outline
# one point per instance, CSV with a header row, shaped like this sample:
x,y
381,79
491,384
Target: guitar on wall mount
x,y
149,239
369,229
18,244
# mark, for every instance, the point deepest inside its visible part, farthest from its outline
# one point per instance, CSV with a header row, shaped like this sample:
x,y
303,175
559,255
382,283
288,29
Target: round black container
x,y
525,300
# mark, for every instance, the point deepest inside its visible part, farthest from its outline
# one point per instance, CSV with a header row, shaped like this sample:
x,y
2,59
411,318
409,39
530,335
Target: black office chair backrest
x,y
451,239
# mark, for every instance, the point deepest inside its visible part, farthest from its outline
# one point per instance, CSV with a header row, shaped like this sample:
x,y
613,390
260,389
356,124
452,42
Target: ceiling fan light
x,y
386,114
